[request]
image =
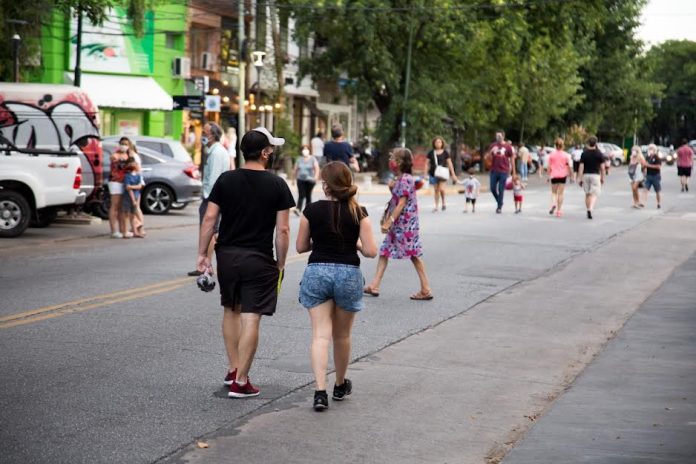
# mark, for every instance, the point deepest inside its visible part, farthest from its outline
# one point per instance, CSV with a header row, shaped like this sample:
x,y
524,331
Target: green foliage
x,y
533,68
673,65
283,128
37,13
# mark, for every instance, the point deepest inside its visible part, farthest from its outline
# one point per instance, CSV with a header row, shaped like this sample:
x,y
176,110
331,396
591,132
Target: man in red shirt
x,y
502,162
685,161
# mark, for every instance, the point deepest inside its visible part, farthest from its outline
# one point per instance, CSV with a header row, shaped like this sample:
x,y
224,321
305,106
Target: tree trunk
x,y
279,55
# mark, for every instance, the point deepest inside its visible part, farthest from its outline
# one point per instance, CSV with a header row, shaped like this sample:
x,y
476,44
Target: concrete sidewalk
x,y
636,403
468,389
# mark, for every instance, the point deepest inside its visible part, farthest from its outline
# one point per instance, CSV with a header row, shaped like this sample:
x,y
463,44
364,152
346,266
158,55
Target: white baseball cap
x,y
275,141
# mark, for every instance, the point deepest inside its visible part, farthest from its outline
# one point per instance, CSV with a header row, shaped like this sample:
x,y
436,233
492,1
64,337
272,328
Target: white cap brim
x,y
275,141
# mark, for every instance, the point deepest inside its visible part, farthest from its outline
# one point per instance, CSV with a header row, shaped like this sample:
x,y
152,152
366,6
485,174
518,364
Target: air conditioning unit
x,y
208,61
181,67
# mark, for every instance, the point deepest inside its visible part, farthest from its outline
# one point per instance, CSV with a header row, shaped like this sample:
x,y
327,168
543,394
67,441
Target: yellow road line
x,y
105,299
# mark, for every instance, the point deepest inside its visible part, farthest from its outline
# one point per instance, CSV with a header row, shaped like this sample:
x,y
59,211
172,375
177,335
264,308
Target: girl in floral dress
x,y
402,239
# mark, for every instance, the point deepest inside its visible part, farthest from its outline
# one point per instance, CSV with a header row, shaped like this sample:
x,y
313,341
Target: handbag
x,y
441,172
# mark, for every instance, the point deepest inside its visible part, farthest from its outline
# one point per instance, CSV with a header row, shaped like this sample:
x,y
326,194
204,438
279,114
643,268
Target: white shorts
x,y
592,183
116,188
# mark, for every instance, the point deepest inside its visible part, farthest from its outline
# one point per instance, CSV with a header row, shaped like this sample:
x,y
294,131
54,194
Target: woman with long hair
x,y
334,230
439,156
559,168
139,220
403,233
117,174
636,164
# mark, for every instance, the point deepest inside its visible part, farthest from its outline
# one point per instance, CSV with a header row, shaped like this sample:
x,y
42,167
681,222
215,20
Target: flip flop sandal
x,y
369,291
421,297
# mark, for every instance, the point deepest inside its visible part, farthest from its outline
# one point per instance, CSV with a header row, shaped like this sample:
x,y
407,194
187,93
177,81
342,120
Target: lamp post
x,y
16,41
258,57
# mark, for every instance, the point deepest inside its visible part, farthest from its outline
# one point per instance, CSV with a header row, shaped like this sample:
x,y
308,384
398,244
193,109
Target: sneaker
x,y
230,377
444,207
498,211
552,210
589,215
243,391
117,235
195,273
518,211
321,400
686,187
341,391
559,213
659,206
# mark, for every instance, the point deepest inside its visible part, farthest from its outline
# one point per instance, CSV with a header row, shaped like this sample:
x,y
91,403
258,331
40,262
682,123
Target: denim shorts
x,y
342,283
654,181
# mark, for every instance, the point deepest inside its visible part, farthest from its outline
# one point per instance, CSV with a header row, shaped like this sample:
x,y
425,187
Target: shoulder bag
x,y
441,172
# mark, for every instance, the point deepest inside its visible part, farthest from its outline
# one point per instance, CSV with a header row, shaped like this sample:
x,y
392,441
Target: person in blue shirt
x,y
338,149
132,184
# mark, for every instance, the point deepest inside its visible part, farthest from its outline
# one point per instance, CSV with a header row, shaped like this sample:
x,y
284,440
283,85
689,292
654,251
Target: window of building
x,y
173,40
229,45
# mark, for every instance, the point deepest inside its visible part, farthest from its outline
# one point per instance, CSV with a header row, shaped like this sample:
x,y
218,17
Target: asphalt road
x,y
110,354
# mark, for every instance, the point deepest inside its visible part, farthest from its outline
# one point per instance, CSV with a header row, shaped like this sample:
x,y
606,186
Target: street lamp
x,y
16,41
258,57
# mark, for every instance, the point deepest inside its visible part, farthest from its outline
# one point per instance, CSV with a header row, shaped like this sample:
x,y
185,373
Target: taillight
x,y
193,172
78,178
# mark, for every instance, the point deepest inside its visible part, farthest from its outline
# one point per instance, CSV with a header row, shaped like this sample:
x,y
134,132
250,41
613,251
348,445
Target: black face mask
x,y
271,160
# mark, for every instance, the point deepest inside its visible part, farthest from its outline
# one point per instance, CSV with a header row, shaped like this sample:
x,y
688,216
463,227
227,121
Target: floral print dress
x,y
403,239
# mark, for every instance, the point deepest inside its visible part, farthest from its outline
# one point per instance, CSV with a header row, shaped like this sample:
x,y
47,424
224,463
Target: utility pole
x,y
408,82
78,47
242,75
16,42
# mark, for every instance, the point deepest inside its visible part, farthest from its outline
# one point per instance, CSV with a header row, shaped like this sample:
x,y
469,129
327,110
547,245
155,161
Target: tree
x,y
673,65
27,18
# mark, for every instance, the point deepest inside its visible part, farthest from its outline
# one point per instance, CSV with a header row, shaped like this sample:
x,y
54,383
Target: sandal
x,y
370,291
420,296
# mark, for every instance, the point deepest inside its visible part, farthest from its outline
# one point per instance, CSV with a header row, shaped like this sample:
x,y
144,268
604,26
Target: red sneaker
x,y
243,391
230,377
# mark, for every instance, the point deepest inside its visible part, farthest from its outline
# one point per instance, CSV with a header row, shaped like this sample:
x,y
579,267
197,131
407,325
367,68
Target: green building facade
x,y
130,78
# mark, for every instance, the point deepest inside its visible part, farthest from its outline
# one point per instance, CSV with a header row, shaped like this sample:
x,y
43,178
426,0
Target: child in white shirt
x,y
472,187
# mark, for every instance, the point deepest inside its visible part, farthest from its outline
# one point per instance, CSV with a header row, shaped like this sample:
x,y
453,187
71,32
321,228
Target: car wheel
x,y
616,162
178,206
157,199
45,218
14,213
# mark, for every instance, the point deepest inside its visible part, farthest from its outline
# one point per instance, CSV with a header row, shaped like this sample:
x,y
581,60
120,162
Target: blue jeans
x,y
498,186
524,171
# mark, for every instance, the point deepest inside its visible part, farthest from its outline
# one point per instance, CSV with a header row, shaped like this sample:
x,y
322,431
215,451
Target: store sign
x,y
112,47
128,128
213,103
188,102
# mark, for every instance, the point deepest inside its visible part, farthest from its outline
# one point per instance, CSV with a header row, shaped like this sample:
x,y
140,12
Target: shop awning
x,y
131,92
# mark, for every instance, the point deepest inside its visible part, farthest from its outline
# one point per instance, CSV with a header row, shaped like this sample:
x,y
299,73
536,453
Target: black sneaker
x,y
589,215
321,400
341,391
498,211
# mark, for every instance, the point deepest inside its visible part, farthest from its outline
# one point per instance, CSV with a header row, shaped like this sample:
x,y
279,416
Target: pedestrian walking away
x,y
338,149
306,175
576,153
502,162
217,162
317,145
591,174
518,197
559,169
653,176
472,188
252,203
440,169
685,162
523,156
636,165
334,230
402,240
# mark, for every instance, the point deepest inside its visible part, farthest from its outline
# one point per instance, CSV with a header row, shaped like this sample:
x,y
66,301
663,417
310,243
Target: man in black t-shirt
x,y
591,173
253,203
338,149
653,177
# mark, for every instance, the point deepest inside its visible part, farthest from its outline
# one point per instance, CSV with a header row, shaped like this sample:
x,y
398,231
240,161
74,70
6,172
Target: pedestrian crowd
x,y
244,217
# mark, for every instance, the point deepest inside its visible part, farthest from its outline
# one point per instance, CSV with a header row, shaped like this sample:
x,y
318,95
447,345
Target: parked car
x,y
692,144
167,180
613,152
165,147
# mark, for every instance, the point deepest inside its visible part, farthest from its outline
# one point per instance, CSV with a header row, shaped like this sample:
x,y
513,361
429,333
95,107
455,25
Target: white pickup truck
x,y
50,153
33,187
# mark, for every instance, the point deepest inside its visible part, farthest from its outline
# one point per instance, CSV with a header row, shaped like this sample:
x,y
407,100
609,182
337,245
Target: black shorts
x,y
559,180
684,171
471,200
576,166
248,278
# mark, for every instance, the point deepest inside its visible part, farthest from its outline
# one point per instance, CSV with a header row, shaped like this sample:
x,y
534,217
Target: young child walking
x,y
131,198
517,188
472,188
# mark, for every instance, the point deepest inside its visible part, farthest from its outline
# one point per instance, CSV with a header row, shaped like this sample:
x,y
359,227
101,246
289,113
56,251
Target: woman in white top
x,y
635,173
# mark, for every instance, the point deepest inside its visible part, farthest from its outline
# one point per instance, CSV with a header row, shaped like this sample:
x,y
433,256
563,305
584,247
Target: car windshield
x,y
179,151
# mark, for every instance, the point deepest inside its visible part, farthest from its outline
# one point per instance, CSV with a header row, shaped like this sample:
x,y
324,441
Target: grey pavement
x,y
136,377
636,403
